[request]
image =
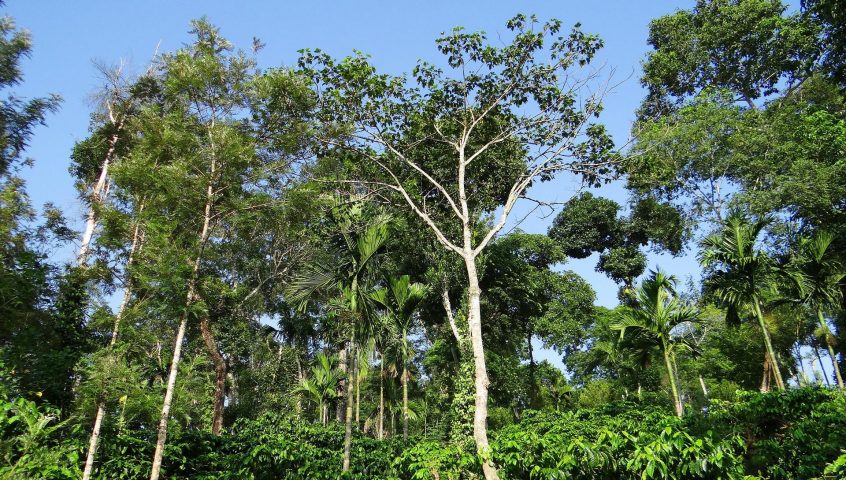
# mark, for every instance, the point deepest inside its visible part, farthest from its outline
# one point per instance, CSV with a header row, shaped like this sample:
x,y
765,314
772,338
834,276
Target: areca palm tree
x,y
322,387
741,273
343,276
820,277
651,320
400,300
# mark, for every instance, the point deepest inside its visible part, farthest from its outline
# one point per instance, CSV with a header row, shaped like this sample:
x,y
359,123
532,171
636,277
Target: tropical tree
x,y
510,112
656,312
322,387
740,274
343,276
401,299
820,277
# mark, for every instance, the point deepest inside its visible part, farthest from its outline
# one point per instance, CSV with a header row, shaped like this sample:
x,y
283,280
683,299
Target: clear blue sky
x,y
69,35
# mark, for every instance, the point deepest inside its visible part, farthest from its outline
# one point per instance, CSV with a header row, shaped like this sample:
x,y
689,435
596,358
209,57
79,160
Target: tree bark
x,y
404,403
357,398
671,374
830,350
342,385
219,373
765,380
480,417
348,418
769,345
381,399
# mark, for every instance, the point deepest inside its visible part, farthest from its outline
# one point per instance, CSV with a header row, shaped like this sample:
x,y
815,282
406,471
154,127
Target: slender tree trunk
x,y
450,317
381,399
831,353
171,384
404,403
300,377
822,369
101,406
180,334
219,373
342,385
765,380
480,417
348,419
769,345
671,375
704,390
98,195
357,398
533,381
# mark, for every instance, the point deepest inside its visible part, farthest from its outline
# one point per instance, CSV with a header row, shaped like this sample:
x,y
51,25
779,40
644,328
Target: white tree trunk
x,y
180,334
97,197
101,407
480,417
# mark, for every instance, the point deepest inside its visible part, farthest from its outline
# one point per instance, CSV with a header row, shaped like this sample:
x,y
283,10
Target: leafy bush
x,y
31,443
797,434
614,442
789,435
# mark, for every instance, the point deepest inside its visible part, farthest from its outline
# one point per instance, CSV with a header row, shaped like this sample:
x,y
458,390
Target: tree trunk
x,y
830,350
101,406
480,417
342,385
404,403
97,197
190,297
381,399
765,380
671,374
348,418
704,390
357,399
533,381
171,384
822,369
219,373
769,345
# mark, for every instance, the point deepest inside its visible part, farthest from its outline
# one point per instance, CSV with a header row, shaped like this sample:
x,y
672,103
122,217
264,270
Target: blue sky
x,y
69,35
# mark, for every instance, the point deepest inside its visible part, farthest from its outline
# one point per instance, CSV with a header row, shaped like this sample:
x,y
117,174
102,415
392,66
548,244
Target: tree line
x,y
335,243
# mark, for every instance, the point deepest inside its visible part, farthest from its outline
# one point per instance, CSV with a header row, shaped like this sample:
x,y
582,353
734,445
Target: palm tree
x,y
651,320
400,300
343,276
322,387
820,277
740,273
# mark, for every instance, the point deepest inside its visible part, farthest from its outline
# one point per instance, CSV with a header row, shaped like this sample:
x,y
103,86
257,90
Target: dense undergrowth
x,y
797,434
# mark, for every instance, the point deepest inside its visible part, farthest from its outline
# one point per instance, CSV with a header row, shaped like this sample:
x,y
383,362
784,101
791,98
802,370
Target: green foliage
x,y
621,442
34,444
788,435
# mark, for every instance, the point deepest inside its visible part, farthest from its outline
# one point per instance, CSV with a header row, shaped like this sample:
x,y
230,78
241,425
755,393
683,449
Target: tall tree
x,y
401,299
657,311
739,274
345,276
524,99
821,278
